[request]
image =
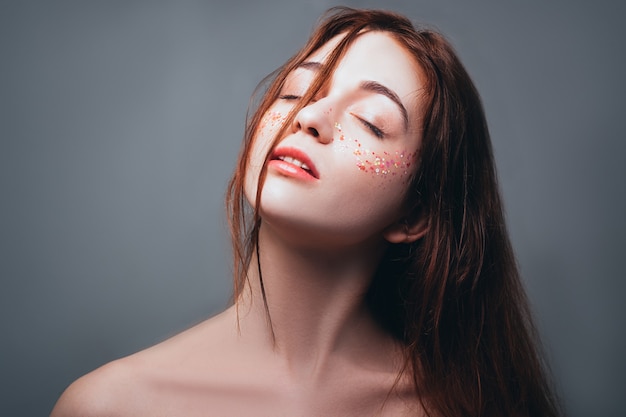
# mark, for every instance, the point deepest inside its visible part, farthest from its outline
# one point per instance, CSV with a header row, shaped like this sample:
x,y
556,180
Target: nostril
x,y
314,132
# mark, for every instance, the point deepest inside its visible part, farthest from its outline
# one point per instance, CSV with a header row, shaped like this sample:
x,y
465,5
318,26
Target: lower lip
x,y
290,170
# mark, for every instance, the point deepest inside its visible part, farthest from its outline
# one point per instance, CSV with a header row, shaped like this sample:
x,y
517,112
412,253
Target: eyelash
x,y
375,130
289,97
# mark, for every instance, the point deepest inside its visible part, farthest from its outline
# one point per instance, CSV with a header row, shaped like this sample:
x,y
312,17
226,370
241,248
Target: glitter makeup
x,y
384,163
376,163
272,120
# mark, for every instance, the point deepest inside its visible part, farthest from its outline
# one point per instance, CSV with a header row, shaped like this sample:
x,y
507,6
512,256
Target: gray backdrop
x,y
120,122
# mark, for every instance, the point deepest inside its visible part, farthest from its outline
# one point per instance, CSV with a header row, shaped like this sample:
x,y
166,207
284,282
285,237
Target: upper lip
x,y
296,155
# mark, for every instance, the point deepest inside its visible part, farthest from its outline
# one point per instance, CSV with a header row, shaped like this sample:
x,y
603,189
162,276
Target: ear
x,y
405,231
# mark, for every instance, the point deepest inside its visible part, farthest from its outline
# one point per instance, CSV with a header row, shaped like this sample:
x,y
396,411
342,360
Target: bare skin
x,y
324,354
215,369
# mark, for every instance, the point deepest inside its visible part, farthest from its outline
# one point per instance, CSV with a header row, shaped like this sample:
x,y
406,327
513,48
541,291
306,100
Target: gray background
x,y
120,122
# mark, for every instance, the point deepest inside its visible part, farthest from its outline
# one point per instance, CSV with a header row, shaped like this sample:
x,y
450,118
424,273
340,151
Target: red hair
x,y
453,298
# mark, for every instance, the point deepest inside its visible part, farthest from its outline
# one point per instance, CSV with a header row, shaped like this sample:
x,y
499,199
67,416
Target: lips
x,y
293,162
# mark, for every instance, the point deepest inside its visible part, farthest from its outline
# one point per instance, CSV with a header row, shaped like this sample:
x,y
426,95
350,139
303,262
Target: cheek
x,y
269,126
265,134
271,121
382,165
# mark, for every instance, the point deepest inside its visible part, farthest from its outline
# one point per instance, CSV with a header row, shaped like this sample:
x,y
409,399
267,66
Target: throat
x,y
315,302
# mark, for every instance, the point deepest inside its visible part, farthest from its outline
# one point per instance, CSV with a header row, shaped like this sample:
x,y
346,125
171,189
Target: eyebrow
x,y
372,86
377,87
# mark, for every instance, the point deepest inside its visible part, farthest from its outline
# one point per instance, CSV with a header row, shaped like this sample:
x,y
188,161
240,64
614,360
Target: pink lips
x,y
293,162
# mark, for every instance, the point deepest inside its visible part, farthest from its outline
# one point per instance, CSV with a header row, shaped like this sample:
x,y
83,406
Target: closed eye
x,y
374,129
289,97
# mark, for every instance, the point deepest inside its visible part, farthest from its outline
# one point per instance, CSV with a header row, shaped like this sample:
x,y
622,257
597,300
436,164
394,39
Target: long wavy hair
x,y
453,298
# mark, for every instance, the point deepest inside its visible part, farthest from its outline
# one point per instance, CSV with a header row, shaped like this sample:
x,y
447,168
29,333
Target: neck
x,y
315,300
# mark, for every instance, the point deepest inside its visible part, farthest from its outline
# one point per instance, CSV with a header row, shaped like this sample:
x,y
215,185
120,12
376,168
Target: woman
x,y
373,272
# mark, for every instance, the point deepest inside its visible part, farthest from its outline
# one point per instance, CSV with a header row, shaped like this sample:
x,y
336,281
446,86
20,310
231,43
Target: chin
x,y
306,230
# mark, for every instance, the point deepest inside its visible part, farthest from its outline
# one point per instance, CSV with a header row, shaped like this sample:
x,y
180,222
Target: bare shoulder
x,y
132,385
103,392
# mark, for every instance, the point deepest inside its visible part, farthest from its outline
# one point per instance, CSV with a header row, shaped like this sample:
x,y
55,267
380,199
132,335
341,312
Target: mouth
x,y
294,161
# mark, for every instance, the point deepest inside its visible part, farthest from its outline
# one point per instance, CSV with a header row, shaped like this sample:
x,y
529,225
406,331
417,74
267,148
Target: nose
x,y
314,119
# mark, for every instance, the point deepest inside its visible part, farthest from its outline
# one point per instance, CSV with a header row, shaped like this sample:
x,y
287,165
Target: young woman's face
x,y
340,173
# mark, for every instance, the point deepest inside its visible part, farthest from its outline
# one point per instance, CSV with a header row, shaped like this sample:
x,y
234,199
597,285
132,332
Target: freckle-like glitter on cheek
x,y
383,164
338,127
343,145
272,120
269,125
